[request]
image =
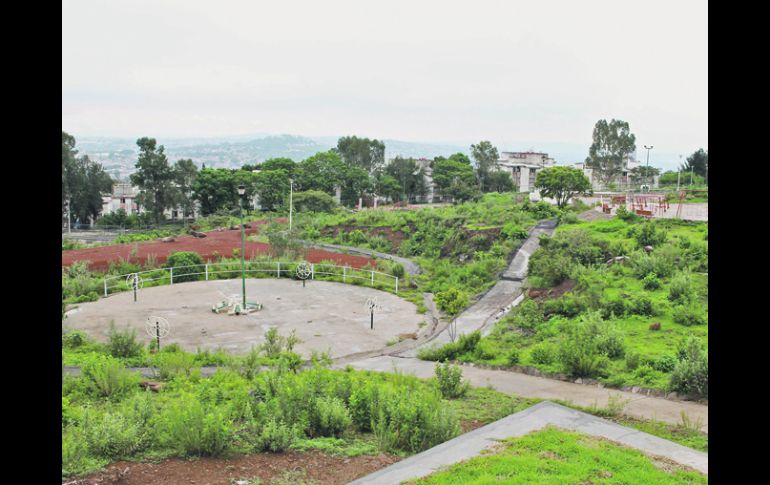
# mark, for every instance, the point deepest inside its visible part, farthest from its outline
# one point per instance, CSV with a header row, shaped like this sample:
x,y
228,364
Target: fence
x,y
253,269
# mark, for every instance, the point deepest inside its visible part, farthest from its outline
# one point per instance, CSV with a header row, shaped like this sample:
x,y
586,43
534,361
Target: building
x,y
622,182
124,196
523,167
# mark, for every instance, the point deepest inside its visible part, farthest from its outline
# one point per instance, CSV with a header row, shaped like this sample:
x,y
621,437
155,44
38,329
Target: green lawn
x,y
553,456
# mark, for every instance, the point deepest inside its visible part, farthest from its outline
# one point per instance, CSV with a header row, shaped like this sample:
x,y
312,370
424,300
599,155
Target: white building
x,y
124,196
523,167
622,182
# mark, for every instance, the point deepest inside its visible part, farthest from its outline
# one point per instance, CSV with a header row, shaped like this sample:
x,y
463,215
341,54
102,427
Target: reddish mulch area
x,y
542,294
318,467
215,243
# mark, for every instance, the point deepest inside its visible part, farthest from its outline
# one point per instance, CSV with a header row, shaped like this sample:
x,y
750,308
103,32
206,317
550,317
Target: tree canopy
x,y
154,177
363,153
612,143
698,163
409,175
486,157
562,183
83,183
454,178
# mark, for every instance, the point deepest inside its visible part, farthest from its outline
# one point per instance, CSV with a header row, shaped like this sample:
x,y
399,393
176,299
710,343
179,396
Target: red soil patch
x,y
317,467
215,243
542,294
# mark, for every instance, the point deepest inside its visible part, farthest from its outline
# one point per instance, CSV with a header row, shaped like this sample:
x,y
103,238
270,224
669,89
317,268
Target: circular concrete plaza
x,y
327,316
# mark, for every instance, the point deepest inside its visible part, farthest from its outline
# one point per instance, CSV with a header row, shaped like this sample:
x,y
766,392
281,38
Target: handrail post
x,y
344,273
105,286
278,270
372,278
207,271
171,272
396,284
312,271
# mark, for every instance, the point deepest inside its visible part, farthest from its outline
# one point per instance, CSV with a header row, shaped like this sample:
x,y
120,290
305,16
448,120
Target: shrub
x,y
666,363
689,314
112,435
123,343
274,343
640,305
568,306
633,360
276,436
397,270
660,264
74,339
690,376
75,459
194,429
680,289
465,344
173,364
513,357
106,377
356,237
655,326
185,258
543,353
626,215
648,234
528,314
329,417
588,344
651,282
314,201
450,380
549,268
567,217
452,301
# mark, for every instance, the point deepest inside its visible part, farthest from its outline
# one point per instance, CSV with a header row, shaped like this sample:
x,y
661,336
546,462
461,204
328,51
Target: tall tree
x,y
486,157
454,178
273,188
642,173
324,171
361,152
154,177
562,183
410,176
185,173
89,183
284,163
612,143
356,184
500,181
68,153
698,162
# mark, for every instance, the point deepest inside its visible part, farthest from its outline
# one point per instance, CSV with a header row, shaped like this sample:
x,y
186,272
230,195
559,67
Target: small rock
x,y
578,380
635,389
648,249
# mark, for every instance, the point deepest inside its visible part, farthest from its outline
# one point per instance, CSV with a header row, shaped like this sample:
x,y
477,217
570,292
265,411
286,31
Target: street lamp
x,y
291,196
241,193
647,171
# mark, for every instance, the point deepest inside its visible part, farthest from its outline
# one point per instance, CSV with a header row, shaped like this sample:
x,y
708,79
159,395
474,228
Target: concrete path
x,y
409,266
639,406
471,444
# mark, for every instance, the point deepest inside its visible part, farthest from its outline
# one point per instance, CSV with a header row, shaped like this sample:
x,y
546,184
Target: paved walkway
x,y
639,406
471,444
409,266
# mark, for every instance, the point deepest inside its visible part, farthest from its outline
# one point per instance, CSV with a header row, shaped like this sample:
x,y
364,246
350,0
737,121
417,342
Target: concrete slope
x,y
536,417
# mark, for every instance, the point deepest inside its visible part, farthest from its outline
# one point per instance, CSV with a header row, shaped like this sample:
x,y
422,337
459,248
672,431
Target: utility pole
x,y
679,173
647,171
291,200
241,193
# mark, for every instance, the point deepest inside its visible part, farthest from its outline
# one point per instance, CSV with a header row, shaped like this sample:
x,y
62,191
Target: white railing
x,y
230,270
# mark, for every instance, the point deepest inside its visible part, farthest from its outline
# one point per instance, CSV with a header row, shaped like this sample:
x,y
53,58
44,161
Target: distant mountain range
x,y
118,155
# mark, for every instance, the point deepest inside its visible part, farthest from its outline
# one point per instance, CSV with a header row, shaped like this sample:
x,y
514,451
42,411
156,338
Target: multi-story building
x,y
124,196
523,167
622,182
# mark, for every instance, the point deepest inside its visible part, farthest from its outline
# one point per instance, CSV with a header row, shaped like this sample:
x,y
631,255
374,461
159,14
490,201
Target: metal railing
x,y
231,270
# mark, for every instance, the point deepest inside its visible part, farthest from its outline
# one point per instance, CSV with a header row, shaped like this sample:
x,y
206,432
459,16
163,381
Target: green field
x,y
553,456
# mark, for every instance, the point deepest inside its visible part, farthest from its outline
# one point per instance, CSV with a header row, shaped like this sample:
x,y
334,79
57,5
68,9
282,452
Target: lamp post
x,y
647,171
241,193
291,204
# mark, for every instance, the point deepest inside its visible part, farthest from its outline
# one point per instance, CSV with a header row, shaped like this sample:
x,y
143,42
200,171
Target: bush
x,y
640,305
450,380
452,301
173,364
397,270
74,339
690,376
626,215
75,459
689,314
680,289
513,356
194,429
543,353
633,360
551,269
186,258
112,435
276,436
106,377
329,417
648,234
528,314
666,363
568,306
123,343
314,201
651,282
465,344
588,344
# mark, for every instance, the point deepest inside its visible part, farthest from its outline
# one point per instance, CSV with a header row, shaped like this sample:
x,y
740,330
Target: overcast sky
x,y
514,72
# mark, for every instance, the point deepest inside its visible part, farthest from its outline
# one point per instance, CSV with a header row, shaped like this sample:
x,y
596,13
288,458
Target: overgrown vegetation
x,y
630,310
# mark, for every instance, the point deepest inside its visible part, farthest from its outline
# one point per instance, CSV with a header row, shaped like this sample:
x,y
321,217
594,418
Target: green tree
x,y
612,143
68,153
185,173
363,153
154,177
500,181
314,201
562,183
643,173
454,178
486,157
87,182
410,176
282,163
356,184
215,190
324,171
272,186
698,163
387,186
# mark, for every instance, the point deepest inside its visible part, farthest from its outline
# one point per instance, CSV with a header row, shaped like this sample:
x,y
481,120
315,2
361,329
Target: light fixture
x,y
241,189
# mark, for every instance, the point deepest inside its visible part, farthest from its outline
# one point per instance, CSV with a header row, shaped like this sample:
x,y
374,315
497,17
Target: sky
x,y
520,73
